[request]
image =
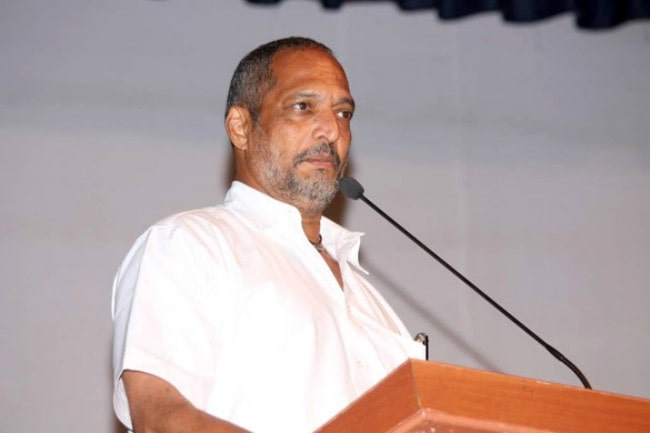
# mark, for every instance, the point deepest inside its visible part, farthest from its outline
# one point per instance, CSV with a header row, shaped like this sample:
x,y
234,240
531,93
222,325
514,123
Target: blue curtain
x,y
589,14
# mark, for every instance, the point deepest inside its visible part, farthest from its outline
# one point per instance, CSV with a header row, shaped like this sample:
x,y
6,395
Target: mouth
x,y
321,161
322,157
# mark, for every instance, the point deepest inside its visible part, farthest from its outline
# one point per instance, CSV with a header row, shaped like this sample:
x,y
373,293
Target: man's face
x,y
299,144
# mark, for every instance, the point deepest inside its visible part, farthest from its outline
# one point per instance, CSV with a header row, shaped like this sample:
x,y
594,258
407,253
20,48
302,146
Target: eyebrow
x,y
347,101
344,100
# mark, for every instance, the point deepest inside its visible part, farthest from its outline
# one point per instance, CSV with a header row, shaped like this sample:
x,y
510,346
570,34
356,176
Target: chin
x,y
314,194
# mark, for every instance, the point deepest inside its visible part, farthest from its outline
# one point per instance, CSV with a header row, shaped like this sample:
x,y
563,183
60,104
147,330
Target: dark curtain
x,y
589,14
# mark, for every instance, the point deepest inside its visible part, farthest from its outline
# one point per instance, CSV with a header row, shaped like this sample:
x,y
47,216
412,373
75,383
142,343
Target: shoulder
x,y
186,248
207,217
202,226
183,236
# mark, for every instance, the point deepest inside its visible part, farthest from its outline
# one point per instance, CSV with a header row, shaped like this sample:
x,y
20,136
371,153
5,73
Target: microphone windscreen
x,y
350,187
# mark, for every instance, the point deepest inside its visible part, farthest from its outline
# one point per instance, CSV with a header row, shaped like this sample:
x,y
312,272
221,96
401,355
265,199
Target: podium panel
x,y
427,397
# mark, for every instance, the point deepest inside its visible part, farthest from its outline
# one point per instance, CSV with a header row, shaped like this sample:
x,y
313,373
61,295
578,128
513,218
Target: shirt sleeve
x,y
165,313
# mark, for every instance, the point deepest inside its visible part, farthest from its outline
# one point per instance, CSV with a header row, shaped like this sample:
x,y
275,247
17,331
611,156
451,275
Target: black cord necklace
x,y
318,245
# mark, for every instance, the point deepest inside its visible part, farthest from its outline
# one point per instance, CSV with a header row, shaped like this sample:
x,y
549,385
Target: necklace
x,y
318,245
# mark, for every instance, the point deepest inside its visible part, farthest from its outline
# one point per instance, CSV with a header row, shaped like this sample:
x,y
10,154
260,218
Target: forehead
x,y
305,69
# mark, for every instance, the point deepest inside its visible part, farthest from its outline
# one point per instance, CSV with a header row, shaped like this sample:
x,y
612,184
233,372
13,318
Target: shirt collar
x,y
266,212
344,242
259,208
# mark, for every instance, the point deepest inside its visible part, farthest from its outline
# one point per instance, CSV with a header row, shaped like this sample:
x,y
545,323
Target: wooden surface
x,y
429,397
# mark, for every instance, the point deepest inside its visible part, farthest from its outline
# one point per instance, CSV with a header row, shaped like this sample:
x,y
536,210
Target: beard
x,y
310,193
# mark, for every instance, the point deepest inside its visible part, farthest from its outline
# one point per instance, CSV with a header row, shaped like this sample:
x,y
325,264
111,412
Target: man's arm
x,y
157,407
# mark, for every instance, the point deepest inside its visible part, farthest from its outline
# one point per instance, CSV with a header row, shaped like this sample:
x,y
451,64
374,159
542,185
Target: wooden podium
x,y
427,397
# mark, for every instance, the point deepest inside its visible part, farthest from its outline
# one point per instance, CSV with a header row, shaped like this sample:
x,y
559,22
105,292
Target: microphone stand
x,y
553,351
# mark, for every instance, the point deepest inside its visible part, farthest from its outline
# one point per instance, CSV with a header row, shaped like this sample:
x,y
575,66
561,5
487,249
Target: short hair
x,y
253,77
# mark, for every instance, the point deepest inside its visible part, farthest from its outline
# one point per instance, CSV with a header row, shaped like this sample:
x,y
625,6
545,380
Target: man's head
x,y
253,78
288,118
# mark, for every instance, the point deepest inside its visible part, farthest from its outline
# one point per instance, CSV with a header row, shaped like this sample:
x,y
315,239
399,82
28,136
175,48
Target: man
x,y
253,315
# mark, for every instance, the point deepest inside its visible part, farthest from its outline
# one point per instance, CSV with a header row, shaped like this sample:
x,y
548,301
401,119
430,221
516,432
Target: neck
x,y
311,226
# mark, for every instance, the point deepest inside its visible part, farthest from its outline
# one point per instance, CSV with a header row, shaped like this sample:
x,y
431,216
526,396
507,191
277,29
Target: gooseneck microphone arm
x,y
353,189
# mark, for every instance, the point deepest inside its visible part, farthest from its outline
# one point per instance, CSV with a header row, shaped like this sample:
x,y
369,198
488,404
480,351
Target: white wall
x,y
519,153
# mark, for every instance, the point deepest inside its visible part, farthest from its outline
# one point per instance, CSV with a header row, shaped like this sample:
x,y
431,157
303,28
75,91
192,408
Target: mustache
x,y
321,148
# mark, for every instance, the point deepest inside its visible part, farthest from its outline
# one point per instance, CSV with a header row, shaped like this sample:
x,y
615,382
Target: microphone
x,y
353,189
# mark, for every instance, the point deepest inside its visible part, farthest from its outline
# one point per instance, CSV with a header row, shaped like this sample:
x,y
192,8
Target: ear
x,y
238,126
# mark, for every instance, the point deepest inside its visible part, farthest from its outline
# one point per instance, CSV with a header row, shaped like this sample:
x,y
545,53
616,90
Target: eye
x,y
347,115
301,106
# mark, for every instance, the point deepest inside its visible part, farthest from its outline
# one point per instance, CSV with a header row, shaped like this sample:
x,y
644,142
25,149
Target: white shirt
x,y
234,307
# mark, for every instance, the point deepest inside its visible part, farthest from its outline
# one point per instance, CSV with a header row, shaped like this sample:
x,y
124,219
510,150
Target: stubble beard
x,y
309,193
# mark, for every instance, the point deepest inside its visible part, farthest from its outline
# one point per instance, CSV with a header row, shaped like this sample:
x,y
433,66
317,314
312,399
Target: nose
x,y
327,126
